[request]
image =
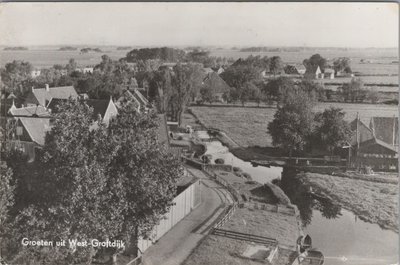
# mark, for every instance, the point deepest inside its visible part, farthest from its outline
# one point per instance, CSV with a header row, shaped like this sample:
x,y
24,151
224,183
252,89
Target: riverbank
x,y
371,201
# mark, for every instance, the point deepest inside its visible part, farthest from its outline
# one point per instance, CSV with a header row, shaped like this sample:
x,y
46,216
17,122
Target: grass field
x,y
248,126
372,201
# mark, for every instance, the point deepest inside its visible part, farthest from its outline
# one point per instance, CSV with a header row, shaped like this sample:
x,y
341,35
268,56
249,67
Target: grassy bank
x,y
248,126
373,202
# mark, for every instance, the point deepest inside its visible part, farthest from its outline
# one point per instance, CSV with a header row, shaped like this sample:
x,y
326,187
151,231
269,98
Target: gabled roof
x,y
329,71
386,129
135,96
217,84
40,95
300,67
364,133
36,128
99,106
374,141
208,70
38,111
312,69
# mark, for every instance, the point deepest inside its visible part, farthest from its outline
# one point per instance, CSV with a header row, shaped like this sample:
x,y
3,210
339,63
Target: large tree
x,y
276,65
293,121
185,80
342,64
332,131
314,61
96,183
15,75
354,91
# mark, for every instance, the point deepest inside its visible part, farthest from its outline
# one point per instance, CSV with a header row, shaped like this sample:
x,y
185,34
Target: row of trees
x,y
108,183
296,128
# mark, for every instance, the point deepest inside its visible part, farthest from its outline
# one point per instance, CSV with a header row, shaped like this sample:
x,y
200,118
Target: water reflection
x,y
300,195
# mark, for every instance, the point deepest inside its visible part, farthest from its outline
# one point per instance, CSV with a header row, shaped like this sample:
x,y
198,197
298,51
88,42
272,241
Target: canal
x,y
337,232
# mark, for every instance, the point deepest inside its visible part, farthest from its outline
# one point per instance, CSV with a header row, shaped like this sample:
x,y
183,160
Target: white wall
x,y
184,203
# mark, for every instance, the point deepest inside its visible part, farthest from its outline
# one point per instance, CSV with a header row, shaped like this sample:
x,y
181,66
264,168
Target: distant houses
x,y
315,72
375,145
35,73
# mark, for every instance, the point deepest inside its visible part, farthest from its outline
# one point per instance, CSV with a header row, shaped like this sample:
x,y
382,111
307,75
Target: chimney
x,y
47,88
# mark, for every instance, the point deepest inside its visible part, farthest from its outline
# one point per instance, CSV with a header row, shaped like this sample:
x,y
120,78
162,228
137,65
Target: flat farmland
x,y
248,126
392,79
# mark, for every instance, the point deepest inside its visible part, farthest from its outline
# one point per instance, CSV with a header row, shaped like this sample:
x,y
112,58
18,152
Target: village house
x,y
135,97
218,86
376,145
43,96
328,73
26,127
102,108
301,69
313,72
35,73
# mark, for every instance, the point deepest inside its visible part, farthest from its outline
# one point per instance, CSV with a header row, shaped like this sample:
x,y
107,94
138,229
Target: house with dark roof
x,y
26,134
102,108
218,86
135,97
375,146
43,96
386,129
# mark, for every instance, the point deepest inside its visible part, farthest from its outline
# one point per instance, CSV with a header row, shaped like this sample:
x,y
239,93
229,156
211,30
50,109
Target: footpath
x,y
175,246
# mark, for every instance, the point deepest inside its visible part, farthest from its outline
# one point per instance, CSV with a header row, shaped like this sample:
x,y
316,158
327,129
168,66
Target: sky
x,y
221,24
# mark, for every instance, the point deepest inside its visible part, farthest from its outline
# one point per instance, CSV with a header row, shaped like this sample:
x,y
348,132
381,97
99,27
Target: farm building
x,y
217,85
376,145
328,73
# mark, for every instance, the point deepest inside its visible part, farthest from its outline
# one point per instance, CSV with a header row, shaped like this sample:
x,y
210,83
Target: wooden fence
x,y
277,208
245,237
224,183
227,215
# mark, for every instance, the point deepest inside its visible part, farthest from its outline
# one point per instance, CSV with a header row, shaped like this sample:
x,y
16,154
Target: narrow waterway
x,y
338,233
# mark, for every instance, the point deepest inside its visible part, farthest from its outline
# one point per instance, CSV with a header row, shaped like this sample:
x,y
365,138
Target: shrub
x,y
385,190
246,175
251,182
219,161
236,169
